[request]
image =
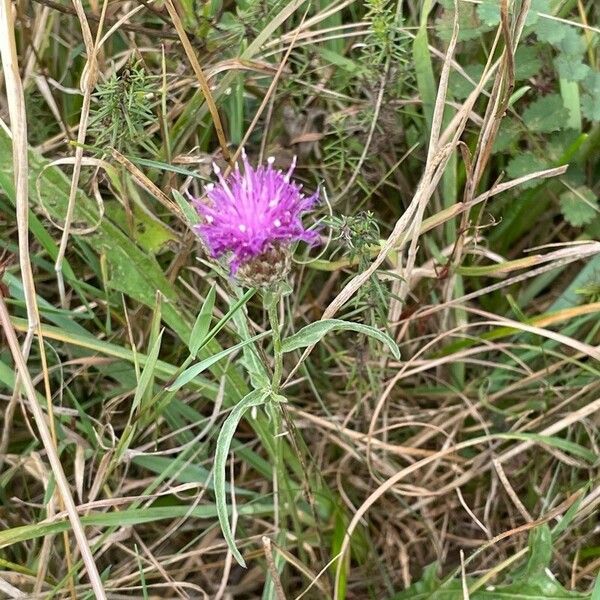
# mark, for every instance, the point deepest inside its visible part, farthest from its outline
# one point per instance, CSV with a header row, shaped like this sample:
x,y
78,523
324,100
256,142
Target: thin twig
x,y
273,568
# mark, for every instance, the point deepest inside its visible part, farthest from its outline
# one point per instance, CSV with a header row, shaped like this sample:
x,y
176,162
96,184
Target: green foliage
x,y
357,233
385,40
469,23
314,332
537,7
122,109
545,114
39,127
579,206
527,62
459,86
532,583
253,399
236,27
157,359
489,13
572,42
571,67
590,101
509,133
523,164
202,325
552,32
192,372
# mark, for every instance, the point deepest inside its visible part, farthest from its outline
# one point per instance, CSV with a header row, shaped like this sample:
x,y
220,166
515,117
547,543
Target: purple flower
x,y
249,214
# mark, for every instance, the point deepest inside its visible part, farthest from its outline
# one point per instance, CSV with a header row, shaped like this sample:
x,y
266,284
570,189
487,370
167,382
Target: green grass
x,y
415,416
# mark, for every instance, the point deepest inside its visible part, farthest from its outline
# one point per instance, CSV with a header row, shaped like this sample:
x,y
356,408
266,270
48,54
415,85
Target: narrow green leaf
x,y
198,368
202,324
423,66
553,441
186,208
147,373
162,166
314,332
251,360
186,473
540,551
123,518
225,319
568,517
254,398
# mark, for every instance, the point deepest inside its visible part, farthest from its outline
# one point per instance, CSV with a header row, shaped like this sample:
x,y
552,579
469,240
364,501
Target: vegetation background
x,y
456,146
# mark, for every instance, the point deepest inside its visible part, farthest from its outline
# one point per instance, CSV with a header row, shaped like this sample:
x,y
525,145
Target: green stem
x,y
279,473
273,313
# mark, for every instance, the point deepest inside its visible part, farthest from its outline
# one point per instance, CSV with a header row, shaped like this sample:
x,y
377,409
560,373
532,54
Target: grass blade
x,y
254,398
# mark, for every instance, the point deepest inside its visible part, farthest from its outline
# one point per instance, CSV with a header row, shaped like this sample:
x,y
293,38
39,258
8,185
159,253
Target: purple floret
x,y
248,213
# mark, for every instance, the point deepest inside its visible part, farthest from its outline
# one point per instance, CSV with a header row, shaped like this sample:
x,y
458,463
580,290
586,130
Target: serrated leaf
x,y
527,62
508,134
571,67
590,107
592,83
546,114
314,332
590,101
524,164
537,6
579,206
469,25
548,30
489,12
572,42
254,398
458,86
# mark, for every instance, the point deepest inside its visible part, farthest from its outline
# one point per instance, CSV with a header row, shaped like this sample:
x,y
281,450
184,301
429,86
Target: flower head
x,y
252,214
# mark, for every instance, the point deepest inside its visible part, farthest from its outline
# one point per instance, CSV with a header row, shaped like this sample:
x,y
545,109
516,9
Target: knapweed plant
x,y
250,221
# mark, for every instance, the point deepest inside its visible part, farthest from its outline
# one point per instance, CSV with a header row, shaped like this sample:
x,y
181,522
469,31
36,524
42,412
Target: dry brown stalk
x,y
189,50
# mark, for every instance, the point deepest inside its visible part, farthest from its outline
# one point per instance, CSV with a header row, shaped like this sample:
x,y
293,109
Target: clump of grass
x,y
422,398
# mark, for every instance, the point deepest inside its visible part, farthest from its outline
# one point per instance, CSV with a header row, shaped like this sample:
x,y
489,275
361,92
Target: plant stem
x,y
273,313
279,474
